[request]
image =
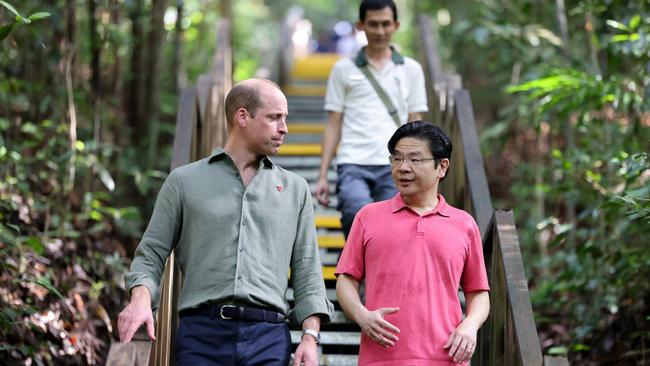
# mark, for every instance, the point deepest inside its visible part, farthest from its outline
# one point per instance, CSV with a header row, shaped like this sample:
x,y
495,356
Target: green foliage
x,y
19,20
61,268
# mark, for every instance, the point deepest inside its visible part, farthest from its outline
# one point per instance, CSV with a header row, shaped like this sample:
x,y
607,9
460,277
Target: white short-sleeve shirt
x,y
367,125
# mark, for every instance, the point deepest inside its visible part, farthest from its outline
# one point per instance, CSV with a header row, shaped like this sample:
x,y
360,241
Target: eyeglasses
x,y
414,162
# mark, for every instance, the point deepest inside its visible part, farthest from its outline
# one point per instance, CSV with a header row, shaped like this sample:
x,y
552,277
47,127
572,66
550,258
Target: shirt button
x,y
241,250
243,223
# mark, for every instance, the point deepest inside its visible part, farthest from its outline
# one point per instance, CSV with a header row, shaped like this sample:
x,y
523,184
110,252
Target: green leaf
x,y
625,37
106,178
11,8
617,25
635,21
580,347
45,282
5,30
39,15
36,244
557,350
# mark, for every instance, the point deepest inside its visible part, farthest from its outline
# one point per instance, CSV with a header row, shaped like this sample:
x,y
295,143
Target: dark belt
x,y
235,312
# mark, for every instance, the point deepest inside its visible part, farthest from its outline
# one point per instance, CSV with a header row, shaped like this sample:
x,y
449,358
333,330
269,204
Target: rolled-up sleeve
x,y
335,94
307,276
159,239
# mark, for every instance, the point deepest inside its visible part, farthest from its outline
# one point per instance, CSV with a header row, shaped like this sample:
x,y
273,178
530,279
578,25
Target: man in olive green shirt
x,y
237,223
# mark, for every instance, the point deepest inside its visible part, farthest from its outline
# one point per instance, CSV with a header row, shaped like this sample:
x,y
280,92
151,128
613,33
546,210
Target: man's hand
x,y
307,352
374,325
135,314
462,342
323,191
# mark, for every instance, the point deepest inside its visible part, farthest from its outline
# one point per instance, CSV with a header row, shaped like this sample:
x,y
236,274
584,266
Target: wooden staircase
x,y
509,337
301,154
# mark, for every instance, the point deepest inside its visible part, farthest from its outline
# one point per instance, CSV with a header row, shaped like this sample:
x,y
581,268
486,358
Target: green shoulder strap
x,y
382,95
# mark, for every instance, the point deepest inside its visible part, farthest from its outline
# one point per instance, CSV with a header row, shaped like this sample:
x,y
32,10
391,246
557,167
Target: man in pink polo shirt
x,y
414,252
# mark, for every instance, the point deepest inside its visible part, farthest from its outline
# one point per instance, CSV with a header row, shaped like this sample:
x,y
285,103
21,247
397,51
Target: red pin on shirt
x,y
279,187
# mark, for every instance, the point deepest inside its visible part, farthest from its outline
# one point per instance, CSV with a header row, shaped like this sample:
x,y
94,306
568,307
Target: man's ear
x,y
241,117
444,165
359,25
396,24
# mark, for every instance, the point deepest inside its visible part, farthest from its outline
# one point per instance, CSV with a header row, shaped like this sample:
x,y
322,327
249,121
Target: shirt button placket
x,y
240,241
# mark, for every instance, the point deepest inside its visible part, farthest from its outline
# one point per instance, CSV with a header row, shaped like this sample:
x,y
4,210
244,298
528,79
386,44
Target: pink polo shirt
x,y
416,263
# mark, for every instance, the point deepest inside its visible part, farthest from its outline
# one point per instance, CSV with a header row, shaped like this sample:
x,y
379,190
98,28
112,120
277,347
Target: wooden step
x,y
314,67
331,241
305,90
306,128
335,360
328,272
300,149
330,258
331,338
328,222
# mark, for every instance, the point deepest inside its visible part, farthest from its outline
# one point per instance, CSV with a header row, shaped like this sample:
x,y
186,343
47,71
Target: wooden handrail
x,y
200,127
509,336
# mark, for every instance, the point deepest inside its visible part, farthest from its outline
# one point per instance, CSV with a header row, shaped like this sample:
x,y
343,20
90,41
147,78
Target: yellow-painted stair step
x,y
306,128
331,241
328,222
300,149
305,90
314,67
328,272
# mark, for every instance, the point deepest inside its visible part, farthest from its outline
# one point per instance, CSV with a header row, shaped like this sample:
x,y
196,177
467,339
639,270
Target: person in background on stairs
x,y
414,251
361,120
237,223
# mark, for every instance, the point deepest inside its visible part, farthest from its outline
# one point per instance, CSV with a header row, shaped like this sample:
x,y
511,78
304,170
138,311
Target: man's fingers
x,y
297,358
454,346
387,325
150,329
387,311
129,332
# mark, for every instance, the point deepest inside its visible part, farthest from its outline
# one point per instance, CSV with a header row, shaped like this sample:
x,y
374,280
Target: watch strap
x,y
312,333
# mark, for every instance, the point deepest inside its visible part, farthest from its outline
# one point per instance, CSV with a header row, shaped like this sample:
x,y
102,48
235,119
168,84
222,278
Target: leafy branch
x,y
19,20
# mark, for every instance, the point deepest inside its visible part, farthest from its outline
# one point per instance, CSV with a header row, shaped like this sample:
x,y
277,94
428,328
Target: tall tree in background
x,y
136,75
151,107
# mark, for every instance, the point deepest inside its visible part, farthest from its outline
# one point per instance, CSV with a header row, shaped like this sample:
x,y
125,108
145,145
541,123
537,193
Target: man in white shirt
x,y
359,121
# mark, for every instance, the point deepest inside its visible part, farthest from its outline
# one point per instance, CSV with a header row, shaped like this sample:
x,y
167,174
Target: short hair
x,y
245,94
437,139
376,5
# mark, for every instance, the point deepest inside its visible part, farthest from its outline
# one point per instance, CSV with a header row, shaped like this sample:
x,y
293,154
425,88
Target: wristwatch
x,y
312,333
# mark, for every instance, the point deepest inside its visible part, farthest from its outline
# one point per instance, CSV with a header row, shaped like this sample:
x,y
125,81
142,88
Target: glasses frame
x,y
397,161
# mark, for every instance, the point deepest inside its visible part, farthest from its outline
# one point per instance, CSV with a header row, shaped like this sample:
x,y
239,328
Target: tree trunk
x,y
134,82
568,127
151,104
178,31
95,58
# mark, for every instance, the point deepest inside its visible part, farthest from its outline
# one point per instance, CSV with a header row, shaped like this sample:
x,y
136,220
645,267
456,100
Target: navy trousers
x,y
358,185
202,340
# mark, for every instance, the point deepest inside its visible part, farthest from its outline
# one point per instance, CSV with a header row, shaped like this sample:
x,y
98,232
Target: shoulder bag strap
x,y
382,95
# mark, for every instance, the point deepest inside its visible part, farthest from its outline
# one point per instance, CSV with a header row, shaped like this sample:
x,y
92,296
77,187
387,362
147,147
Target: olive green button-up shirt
x,y
235,243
